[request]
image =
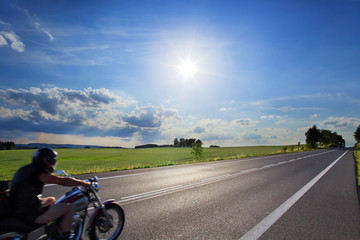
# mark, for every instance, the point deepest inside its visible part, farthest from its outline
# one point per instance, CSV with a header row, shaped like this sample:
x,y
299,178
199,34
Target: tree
x,y
326,137
188,143
197,149
285,149
182,142
357,134
312,137
7,145
176,142
214,146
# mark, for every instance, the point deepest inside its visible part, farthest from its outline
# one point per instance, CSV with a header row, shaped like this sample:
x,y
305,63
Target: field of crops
x,y
90,160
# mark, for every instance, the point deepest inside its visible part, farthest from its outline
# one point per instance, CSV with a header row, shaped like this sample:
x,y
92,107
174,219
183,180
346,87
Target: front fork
x,y
97,211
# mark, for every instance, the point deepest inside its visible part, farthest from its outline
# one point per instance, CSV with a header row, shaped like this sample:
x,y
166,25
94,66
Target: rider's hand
x,y
86,184
48,201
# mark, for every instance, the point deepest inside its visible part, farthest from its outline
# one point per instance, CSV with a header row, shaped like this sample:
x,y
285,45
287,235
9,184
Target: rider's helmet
x,y
46,158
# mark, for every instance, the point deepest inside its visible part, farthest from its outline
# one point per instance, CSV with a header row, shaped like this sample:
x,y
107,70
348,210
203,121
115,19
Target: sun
x,y
187,68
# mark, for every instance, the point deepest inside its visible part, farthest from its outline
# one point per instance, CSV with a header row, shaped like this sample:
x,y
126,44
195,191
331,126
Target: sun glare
x,y
187,68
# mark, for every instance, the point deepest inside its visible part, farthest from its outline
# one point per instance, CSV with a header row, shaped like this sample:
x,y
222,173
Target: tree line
x,y
7,145
186,143
323,137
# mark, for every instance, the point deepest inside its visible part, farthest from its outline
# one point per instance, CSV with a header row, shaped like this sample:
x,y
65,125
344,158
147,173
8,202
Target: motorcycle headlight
x,y
96,186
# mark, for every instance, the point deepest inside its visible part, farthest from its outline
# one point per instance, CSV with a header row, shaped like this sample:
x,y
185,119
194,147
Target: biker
x,y
27,184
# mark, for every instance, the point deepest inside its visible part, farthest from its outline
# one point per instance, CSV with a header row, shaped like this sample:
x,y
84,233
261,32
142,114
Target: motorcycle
x,y
105,222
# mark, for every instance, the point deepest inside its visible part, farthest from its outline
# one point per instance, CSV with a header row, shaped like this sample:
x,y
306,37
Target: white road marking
x,y
151,193
168,190
215,178
268,221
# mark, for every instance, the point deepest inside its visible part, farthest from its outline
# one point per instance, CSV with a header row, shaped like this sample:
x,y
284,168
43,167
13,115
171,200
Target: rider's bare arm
x,y
48,178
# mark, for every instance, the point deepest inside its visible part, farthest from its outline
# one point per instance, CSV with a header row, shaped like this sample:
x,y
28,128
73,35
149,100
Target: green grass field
x,y
357,161
91,160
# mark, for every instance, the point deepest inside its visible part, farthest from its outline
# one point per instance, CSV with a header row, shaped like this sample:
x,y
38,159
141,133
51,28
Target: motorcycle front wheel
x,y
102,229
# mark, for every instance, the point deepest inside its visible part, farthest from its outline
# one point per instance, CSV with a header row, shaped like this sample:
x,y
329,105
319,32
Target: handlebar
x,y
94,180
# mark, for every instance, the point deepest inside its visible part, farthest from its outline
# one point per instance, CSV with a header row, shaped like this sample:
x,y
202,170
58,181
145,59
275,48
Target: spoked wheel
x,y
110,230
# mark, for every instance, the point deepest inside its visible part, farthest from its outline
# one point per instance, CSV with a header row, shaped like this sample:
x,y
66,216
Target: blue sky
x,y
109,72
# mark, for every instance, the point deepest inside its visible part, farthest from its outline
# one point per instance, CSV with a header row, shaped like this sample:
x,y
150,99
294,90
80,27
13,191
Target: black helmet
x,y
46,158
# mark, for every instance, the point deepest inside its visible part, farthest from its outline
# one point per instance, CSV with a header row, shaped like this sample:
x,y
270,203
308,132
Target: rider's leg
x,y
66,221
55,211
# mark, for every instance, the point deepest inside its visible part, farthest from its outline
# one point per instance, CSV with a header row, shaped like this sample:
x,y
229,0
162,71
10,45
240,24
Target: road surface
x,y
308,195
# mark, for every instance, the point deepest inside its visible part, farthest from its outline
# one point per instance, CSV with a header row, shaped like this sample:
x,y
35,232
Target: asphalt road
x,y
310,195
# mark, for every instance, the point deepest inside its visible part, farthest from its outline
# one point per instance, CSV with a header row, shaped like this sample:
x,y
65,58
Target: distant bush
x,y
147,146
197,150
152,146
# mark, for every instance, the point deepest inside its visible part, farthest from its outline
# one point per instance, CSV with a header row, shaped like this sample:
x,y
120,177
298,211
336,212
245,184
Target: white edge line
x,y
268,221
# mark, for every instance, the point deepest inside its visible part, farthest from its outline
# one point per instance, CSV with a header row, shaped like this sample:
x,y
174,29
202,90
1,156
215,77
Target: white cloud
x,y
270,117
89,112
96,108
14,39
212,131
35,22
53,100
340,122
245,122
226,109
282,122
3,41
151,116
25,114
47,33
199,130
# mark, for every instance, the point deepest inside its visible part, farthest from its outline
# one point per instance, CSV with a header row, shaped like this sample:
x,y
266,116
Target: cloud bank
x,y
98,116
89,112
340,122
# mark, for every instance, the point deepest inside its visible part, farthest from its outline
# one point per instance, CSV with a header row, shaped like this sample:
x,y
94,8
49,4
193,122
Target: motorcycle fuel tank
x,y
78,199
81,203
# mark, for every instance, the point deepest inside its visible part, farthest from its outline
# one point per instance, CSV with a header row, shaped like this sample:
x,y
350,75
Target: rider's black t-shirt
x,y
25,188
